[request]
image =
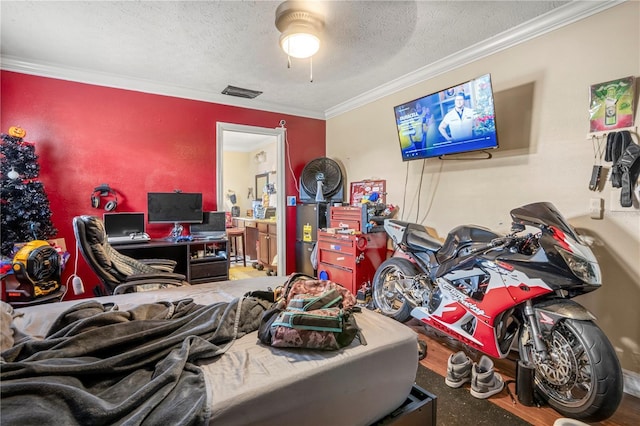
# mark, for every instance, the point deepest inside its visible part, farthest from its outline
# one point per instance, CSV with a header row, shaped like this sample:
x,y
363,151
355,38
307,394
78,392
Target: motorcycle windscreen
x,y
545,214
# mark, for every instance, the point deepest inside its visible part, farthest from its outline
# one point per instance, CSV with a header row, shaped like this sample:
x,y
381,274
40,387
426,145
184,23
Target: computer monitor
x,y
123,224
174,207
213,226
124,227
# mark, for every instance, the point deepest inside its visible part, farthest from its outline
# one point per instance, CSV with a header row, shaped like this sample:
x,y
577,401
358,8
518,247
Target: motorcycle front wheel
x,y
385,295
581,377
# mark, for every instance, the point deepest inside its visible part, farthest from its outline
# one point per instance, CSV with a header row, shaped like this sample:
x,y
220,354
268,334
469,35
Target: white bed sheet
x,y
253,384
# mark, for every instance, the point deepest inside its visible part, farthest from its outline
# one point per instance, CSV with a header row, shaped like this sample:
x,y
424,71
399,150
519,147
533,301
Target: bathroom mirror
x,y
261,180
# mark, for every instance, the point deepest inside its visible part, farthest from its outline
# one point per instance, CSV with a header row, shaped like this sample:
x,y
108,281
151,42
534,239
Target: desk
x,y
200,261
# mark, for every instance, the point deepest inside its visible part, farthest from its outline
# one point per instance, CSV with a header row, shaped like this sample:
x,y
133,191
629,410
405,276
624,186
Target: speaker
x,y
103,191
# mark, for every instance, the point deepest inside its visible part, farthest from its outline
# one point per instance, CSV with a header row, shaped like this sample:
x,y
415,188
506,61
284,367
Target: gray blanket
x,y
99,365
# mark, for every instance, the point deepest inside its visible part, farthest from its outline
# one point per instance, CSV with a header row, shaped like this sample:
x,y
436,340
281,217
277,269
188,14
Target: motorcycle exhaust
x,y
525,373
401,288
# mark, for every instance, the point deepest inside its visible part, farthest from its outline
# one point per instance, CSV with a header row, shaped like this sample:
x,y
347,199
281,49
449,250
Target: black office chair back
x,y
109,265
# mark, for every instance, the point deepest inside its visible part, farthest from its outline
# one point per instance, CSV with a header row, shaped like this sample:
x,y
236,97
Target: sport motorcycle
x,y
486,290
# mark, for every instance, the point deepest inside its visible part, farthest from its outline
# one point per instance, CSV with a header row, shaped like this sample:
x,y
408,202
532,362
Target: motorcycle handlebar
x,y
493,243
499,241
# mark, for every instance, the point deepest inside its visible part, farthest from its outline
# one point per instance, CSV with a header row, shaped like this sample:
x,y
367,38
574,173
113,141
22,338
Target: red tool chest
x,y
350,260
351,217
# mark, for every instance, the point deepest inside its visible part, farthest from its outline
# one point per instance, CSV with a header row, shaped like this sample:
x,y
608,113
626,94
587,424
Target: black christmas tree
x,y
25,212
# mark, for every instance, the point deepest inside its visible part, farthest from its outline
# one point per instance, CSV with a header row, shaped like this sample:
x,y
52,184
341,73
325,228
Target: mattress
x,y
256,384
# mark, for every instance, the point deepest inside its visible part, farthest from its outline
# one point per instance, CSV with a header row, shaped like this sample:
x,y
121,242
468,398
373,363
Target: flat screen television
x,y
458,119
174,207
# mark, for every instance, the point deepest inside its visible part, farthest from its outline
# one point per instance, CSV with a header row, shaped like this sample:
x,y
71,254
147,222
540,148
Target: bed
x,y
245,382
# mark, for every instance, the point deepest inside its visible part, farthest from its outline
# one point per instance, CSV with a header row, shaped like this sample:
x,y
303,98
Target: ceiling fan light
x,y
299,44
300,24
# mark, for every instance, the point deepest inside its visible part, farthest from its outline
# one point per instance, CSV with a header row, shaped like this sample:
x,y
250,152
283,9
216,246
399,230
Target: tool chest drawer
x,y
343,276
348,217
341,244
336,258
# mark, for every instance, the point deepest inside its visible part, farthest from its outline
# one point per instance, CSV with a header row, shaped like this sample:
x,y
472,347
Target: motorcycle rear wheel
x,y
385,296
583,378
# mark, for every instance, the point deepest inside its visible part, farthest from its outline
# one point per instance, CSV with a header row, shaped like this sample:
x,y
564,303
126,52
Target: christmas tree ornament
x,y
13,174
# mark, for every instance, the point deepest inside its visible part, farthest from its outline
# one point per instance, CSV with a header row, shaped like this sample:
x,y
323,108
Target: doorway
x,y
254,140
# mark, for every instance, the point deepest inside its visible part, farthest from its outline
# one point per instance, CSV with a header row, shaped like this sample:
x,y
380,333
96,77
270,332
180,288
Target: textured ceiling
x,y
196,49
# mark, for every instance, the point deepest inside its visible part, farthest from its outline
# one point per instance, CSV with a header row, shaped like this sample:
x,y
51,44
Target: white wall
x,y
238,179
541,91
240,170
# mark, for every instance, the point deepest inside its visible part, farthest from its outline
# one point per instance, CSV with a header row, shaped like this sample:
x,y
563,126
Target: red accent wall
x,y
136,142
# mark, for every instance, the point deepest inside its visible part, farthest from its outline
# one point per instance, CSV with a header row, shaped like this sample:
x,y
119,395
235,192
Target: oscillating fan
x,y
321,180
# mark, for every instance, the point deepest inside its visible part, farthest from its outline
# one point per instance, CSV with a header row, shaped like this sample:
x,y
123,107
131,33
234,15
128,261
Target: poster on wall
x,y
373,190
611,105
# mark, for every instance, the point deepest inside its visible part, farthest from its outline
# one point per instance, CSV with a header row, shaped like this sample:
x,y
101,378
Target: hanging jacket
x,y
629,167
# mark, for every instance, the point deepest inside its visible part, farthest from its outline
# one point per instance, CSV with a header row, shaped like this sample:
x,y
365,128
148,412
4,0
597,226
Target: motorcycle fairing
x,y
542,214
547,264
519,285
549,312
471,320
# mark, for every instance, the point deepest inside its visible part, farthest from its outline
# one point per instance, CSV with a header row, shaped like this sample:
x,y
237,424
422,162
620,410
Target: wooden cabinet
x,y
273,243
251,238
267,243
199,261
250,227
350,260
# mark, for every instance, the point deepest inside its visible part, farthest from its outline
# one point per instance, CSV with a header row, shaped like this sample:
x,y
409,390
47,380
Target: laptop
x,y
125,228
213,227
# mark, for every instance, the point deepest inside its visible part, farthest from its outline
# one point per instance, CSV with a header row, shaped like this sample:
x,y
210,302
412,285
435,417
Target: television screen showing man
x,y
457,124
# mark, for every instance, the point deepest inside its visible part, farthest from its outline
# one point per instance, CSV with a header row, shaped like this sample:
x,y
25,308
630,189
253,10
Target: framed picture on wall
x,y
612,105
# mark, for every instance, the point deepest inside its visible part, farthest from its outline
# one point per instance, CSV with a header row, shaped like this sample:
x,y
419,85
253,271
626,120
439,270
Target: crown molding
x,y
9,63
557,18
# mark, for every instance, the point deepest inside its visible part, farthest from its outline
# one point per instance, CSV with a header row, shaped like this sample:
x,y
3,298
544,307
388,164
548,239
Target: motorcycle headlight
x,y
587,271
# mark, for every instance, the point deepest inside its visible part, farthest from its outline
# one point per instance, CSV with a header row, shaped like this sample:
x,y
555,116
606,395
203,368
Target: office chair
x,y
117,272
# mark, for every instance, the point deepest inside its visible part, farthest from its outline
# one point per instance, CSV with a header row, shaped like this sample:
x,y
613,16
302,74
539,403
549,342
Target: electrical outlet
x,y
595,208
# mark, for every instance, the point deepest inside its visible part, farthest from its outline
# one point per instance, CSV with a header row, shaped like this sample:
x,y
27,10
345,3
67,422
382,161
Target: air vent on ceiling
x,y
240,92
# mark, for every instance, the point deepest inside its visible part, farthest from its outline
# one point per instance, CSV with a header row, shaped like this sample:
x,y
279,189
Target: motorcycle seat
x,y
418,239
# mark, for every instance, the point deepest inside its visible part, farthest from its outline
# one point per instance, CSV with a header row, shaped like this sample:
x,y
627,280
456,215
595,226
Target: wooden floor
x,y
439,348
238,272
